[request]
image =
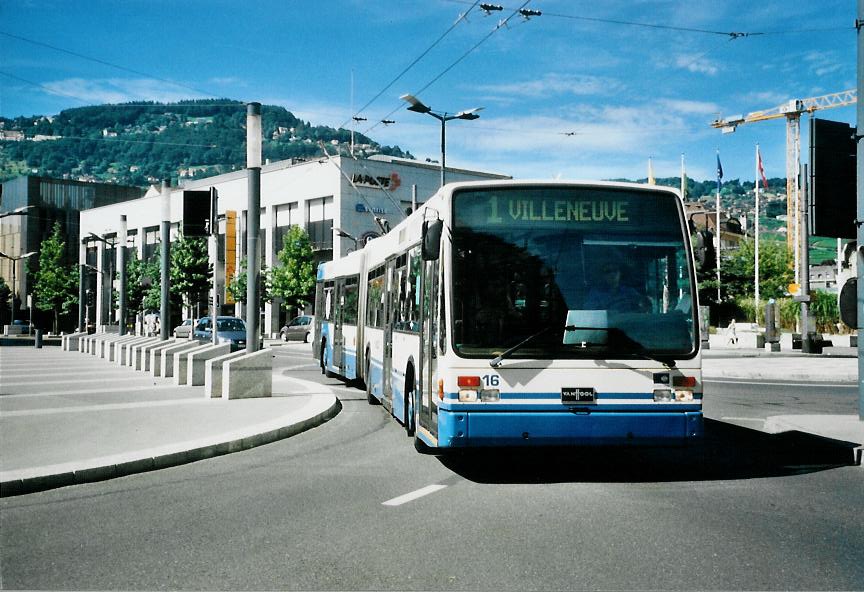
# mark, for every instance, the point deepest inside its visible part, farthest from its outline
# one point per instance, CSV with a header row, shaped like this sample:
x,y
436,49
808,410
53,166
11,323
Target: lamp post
x,y
15,261
418,107
113,245
343,234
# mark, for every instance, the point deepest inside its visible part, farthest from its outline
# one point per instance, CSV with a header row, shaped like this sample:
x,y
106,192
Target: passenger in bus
x,y
607,293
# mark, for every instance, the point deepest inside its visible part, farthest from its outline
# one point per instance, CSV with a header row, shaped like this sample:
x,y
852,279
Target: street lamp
x,y
343,234
418,107
22,211
15,261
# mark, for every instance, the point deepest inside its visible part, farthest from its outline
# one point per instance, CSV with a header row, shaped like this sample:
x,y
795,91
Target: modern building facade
x,y
339,201
50,201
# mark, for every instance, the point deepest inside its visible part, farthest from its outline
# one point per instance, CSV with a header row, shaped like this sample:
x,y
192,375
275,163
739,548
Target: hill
x,y
142,143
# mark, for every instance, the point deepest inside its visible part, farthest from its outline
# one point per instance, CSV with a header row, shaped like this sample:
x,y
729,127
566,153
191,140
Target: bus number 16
x,y
491,379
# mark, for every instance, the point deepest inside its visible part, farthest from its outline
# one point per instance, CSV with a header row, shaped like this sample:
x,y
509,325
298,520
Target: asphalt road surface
x,y
351,506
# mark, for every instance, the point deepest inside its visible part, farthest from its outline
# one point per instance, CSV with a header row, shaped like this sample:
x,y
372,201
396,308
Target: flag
x,y
651,180
761,168
719,169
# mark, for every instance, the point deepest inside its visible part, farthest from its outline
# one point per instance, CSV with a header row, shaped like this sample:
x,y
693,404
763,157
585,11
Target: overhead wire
x,y
500,24
413,62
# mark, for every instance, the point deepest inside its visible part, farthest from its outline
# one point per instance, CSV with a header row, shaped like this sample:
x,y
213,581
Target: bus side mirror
x,y
431,245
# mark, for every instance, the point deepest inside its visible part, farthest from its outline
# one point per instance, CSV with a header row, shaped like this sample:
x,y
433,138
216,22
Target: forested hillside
x,y
142,143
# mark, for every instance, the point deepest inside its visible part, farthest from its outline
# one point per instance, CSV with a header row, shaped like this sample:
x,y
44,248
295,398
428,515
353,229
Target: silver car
x,y
298,329
184,331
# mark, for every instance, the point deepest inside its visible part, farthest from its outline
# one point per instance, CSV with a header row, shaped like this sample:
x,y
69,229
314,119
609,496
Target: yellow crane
x,y
792,111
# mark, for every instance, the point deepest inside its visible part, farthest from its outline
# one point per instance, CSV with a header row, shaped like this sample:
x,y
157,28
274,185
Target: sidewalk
x,y
68,417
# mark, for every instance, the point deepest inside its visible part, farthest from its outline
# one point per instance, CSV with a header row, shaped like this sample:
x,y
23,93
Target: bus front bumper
x,y
459,429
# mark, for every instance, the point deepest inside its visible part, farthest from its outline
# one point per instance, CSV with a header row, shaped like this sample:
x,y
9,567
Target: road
x,y
351,506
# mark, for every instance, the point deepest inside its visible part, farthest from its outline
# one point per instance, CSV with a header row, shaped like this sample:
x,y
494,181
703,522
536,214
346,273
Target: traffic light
x,y
197,213
833,153
91,297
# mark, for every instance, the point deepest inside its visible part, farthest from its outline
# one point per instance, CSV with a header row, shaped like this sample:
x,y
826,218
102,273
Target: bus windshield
x,y
571,272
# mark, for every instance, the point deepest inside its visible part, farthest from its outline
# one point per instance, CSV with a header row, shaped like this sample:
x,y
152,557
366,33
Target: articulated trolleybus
x,y
523,313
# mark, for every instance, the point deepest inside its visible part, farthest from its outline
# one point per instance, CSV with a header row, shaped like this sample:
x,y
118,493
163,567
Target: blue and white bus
x,y
524,313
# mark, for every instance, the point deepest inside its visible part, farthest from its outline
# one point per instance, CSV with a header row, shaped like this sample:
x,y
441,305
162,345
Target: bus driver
x,y
608,293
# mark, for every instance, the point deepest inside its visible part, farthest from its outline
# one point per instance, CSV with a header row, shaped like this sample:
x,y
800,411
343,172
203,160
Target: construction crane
x,y
792,111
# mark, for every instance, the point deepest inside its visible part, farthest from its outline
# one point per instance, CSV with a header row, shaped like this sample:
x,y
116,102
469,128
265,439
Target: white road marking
x,y
410,497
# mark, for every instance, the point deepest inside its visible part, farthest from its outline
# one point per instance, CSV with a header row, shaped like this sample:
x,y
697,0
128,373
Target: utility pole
x,y
121,268
165,309
859,216
253,224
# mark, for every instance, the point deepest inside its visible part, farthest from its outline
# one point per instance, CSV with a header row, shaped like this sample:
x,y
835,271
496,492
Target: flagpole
x,y
756,234
683,180
717,224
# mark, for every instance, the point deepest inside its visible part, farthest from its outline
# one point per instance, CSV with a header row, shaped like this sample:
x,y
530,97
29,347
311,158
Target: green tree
x,y
139,276
5,297
237,286
775,273
56,284
294,279
190,272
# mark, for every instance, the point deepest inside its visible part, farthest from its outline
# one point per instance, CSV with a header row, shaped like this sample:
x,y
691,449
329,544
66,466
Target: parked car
x,y
228,330
184,330
298,329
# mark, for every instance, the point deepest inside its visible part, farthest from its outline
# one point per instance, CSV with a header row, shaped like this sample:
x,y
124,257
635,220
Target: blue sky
x,y
587,90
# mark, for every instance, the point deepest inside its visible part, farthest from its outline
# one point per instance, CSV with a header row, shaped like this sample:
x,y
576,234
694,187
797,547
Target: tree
x,y
775,273
190,271
139,278
294,279
5,297
238,284
56,284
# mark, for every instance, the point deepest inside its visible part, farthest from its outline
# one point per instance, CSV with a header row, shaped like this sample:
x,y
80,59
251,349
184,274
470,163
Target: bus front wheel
x,y
410,403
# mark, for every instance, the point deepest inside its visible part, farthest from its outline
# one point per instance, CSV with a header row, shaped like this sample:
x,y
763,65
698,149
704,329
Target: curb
x,y
26,481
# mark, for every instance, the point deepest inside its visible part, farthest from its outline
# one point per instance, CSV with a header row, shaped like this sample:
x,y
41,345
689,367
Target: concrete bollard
x,y
38,338
213,373
248,376
196,367
181,362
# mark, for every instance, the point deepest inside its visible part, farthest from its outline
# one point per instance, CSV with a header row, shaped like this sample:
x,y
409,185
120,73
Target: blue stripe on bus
x,y
557,395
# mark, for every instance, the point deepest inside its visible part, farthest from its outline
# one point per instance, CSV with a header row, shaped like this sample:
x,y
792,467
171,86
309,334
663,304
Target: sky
x,y
585,90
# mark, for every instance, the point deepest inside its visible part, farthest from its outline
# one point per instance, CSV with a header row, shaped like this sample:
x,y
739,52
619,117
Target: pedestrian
x,y
732,333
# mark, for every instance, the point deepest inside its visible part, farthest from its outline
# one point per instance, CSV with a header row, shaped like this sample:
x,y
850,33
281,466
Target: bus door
x,y
428,351
391,314
338,319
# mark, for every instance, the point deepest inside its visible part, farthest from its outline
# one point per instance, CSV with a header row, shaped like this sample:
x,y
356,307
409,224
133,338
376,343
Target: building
x,y
341,202
51,200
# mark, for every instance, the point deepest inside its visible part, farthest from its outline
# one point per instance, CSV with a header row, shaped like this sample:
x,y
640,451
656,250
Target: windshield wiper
x,y
620,336
496,361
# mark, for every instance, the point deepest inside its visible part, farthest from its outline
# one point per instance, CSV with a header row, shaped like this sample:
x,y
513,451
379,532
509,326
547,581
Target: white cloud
x,y
688,107
119,90
696,63
554,84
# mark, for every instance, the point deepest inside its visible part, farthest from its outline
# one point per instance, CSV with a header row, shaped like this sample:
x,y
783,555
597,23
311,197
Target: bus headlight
x,y
467,395
490,395
662,395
